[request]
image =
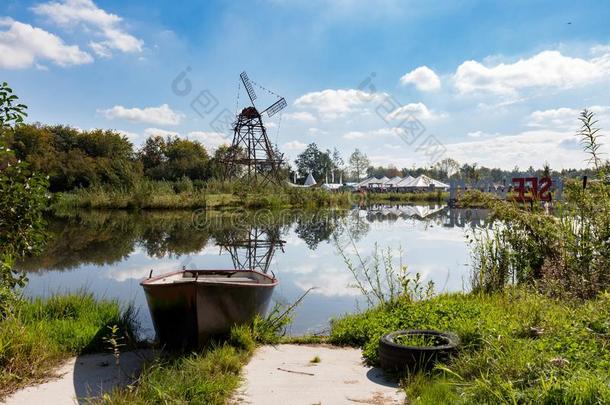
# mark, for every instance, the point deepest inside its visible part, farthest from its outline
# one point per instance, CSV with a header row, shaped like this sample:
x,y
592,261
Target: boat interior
x,y
211,276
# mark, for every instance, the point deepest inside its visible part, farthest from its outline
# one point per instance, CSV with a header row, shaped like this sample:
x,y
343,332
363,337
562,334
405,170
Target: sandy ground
x,y
82,377
285,375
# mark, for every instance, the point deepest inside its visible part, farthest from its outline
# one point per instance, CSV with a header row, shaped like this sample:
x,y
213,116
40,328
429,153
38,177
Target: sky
x,y
498,83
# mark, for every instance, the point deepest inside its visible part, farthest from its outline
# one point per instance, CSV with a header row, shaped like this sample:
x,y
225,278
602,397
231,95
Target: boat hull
x,y
188,314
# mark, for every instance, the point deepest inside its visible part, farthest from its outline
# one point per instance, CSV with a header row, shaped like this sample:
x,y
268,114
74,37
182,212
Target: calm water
x,y
108,253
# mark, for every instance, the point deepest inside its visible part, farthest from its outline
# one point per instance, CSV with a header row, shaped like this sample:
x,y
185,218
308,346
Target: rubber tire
x,y
396,357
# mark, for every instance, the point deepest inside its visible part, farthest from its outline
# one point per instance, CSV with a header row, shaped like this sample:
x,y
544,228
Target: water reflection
x,y
110,252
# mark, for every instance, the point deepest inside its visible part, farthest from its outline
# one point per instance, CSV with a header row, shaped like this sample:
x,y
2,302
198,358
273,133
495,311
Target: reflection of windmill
x,y
251,152
254,250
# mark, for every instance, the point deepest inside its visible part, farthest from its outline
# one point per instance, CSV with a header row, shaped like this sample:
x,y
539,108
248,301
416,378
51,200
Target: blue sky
x,y
498,83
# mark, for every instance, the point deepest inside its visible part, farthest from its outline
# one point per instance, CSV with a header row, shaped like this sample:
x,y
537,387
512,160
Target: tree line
x,y
73,158
327,164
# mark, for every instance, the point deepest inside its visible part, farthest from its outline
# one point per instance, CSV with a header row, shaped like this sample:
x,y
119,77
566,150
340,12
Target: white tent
x,y
378,183
393,181
404,182
424,181
310,181
365,182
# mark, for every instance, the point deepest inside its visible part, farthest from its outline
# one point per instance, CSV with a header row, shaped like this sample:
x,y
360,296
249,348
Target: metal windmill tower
x,y
252,155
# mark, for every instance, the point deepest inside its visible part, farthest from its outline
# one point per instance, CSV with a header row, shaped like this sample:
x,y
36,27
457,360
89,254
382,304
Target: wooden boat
x,y
189,307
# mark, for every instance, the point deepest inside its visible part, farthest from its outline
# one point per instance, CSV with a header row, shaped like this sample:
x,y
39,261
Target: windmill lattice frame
x,y
252,155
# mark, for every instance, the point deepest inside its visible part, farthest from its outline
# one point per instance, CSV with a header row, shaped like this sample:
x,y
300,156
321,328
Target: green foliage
x,y
40,333
22,199
184,193
11,113
518,346
564,253
173,158
73,158
314,161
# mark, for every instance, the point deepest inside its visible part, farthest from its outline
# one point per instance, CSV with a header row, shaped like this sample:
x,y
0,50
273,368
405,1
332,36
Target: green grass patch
x,y
149,195
207,377
516,347
41,333
428,196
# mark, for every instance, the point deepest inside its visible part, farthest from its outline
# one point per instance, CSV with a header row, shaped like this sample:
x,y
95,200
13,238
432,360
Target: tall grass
x,y
185,194
41,333
518,346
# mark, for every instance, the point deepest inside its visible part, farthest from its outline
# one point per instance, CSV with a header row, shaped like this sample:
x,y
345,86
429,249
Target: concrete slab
x,y
82,377
284,374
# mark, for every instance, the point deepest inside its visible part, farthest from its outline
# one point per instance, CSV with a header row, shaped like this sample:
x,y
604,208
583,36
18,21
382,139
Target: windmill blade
x,y
248,86
276,107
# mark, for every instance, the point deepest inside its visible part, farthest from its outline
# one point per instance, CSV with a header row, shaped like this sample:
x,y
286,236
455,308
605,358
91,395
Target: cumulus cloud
x,y
417,110
106,26
159,132
162,115
564,117
23,45
211,140
547,69
295,146
302,116
335,103
523,149
423,78
391,132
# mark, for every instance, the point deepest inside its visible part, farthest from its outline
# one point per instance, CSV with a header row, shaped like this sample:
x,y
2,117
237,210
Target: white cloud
x,y
22,45
132,136
302,116
392,132
331,104
417,110
159,132
547,69
423,78
564,118
107,26
352,135
559,148
162,115
211,140
295,146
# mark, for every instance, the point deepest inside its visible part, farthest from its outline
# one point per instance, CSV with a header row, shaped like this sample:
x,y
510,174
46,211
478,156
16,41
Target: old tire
x,y
394,356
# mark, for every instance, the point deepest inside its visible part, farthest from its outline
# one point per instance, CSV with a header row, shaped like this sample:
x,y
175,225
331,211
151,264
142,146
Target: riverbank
x,y
163,195
40,334
516,346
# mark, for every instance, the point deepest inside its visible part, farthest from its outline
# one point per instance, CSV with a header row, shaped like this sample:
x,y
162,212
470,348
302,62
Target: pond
x,y
108,253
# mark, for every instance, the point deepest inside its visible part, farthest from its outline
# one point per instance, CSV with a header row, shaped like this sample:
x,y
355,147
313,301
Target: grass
x,y
207,377
518,346
41,333
428,196
148,195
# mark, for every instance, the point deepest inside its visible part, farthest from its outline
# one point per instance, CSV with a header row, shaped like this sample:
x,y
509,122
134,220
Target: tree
x,y
174,158
314,161
359,163
22,200
447,167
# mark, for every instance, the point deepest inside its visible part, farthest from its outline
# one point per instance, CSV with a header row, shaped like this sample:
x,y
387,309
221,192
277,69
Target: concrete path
x,y
285,375
82,377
